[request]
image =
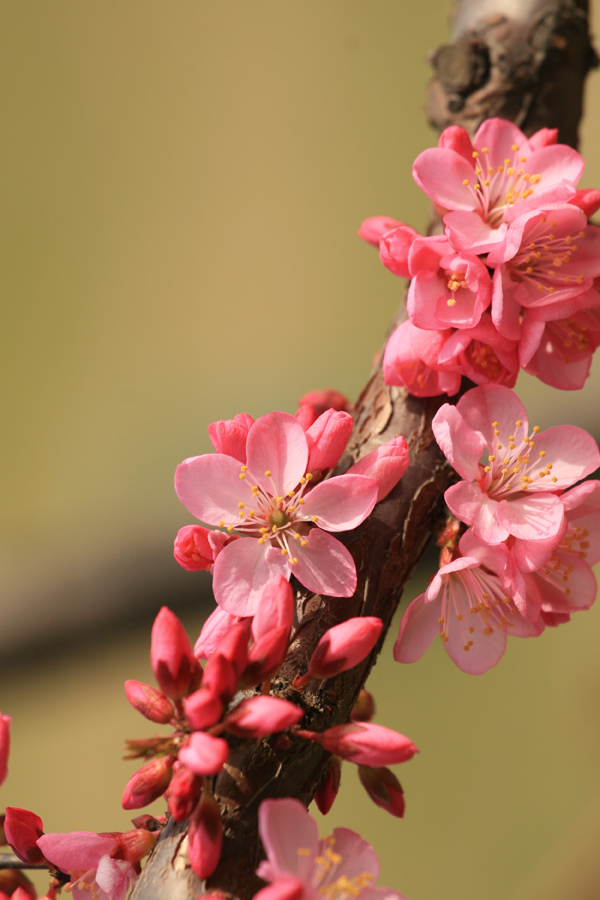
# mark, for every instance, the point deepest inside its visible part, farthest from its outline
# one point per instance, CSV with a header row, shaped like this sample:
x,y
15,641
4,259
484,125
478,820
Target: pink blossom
x,y
448,289
394,249
4,745
546,262
299,866
482,354
505,176
365,743
514,492
467,603
373,229
386,464
90,861
176,669
411,360
284,522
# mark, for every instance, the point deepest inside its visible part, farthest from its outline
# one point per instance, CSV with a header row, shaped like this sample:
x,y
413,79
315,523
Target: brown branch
x,y
531,69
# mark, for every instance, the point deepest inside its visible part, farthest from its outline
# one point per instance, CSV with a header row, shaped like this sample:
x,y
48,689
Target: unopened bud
x,y
265,657
364,708
343,647
205,836
383,788
149,701
328,789
148,783
259,716
202,709
366,744
136,844
16,885
176,669
23,828
204,754
184,793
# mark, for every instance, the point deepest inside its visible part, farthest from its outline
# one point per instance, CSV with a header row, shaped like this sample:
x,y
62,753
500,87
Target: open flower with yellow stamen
x,y
513,475
300,866
282,516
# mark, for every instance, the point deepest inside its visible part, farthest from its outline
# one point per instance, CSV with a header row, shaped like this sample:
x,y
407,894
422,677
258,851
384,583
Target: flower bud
x,y
220,678
148,783
214,630
4,745
265,657
276,608
287,887
151,702
184,793
202,709
176,669
366,744
22,829
192,550
328,789
327,399
394,250
205,836
258,716
373,229
383,788
234,647
229,436
204,754
343,647
327,438
364,708
16,885
136,844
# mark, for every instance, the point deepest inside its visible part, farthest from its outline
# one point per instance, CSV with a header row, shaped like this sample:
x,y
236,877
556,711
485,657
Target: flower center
x,y
325,871
455,282
278,518
484,359
545,258
511,458
498,187
472,592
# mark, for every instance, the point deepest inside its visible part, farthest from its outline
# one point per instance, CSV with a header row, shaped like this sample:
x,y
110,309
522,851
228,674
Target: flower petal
x,y
471,505
325,566
285,827
534,517
277,444
418,627
241,573
210,487
342,502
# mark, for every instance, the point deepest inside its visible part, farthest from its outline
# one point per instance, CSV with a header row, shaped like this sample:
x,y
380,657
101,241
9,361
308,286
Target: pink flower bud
x,y
327,438
151,702
387,464
276,608
204,754
184,793
373,229
258,716
306,415
203,708
220,678
383,788
134,845
265,657
229,436
394,249
205,837
545,137
214,630
342,647
328,789
456,138
175,667
364,708
287,887
192,549
327,399
148,783
587,200
234,647
22,829
4,745
366,744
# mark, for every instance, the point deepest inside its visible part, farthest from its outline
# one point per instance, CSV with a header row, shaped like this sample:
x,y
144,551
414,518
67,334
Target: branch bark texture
x,y
524,60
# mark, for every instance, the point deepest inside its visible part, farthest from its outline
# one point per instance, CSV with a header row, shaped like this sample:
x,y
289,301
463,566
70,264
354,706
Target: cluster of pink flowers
x,y
513,282
525,561
206,706
267,487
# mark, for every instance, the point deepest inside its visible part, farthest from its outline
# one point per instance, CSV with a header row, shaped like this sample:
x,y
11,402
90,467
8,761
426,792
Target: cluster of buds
x,y
526,560
513,281
211,705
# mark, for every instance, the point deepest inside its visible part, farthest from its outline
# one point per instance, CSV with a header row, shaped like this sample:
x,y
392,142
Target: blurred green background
x,y
182,183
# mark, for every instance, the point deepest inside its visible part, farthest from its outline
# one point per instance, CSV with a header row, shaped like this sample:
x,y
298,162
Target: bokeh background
x,y
182,183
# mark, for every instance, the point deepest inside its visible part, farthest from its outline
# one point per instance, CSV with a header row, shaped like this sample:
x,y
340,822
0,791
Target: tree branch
x,y
524,61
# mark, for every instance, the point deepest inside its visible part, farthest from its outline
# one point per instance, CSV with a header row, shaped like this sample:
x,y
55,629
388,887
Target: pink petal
x,y
276,608
492,402
358,856
229,436
487,649
277,444
386,465
341,503
285,826
76,850
213,631
468,231
533,517
115,877
325,566
571,450
4,745
440,173
285,888
373,229
471,505
327,438
461,446
210,487
418,627
242,572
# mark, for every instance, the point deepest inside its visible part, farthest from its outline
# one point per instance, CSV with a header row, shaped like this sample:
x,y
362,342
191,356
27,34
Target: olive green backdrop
x,y
182,183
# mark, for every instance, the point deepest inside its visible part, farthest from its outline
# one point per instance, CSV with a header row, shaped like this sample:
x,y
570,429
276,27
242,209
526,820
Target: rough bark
x,y
528,64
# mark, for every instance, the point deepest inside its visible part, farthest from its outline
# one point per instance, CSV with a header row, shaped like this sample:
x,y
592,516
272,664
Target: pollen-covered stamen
x,y
469,593
499,184
456,281
485,360
547,259
565,337
515,463
324,879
